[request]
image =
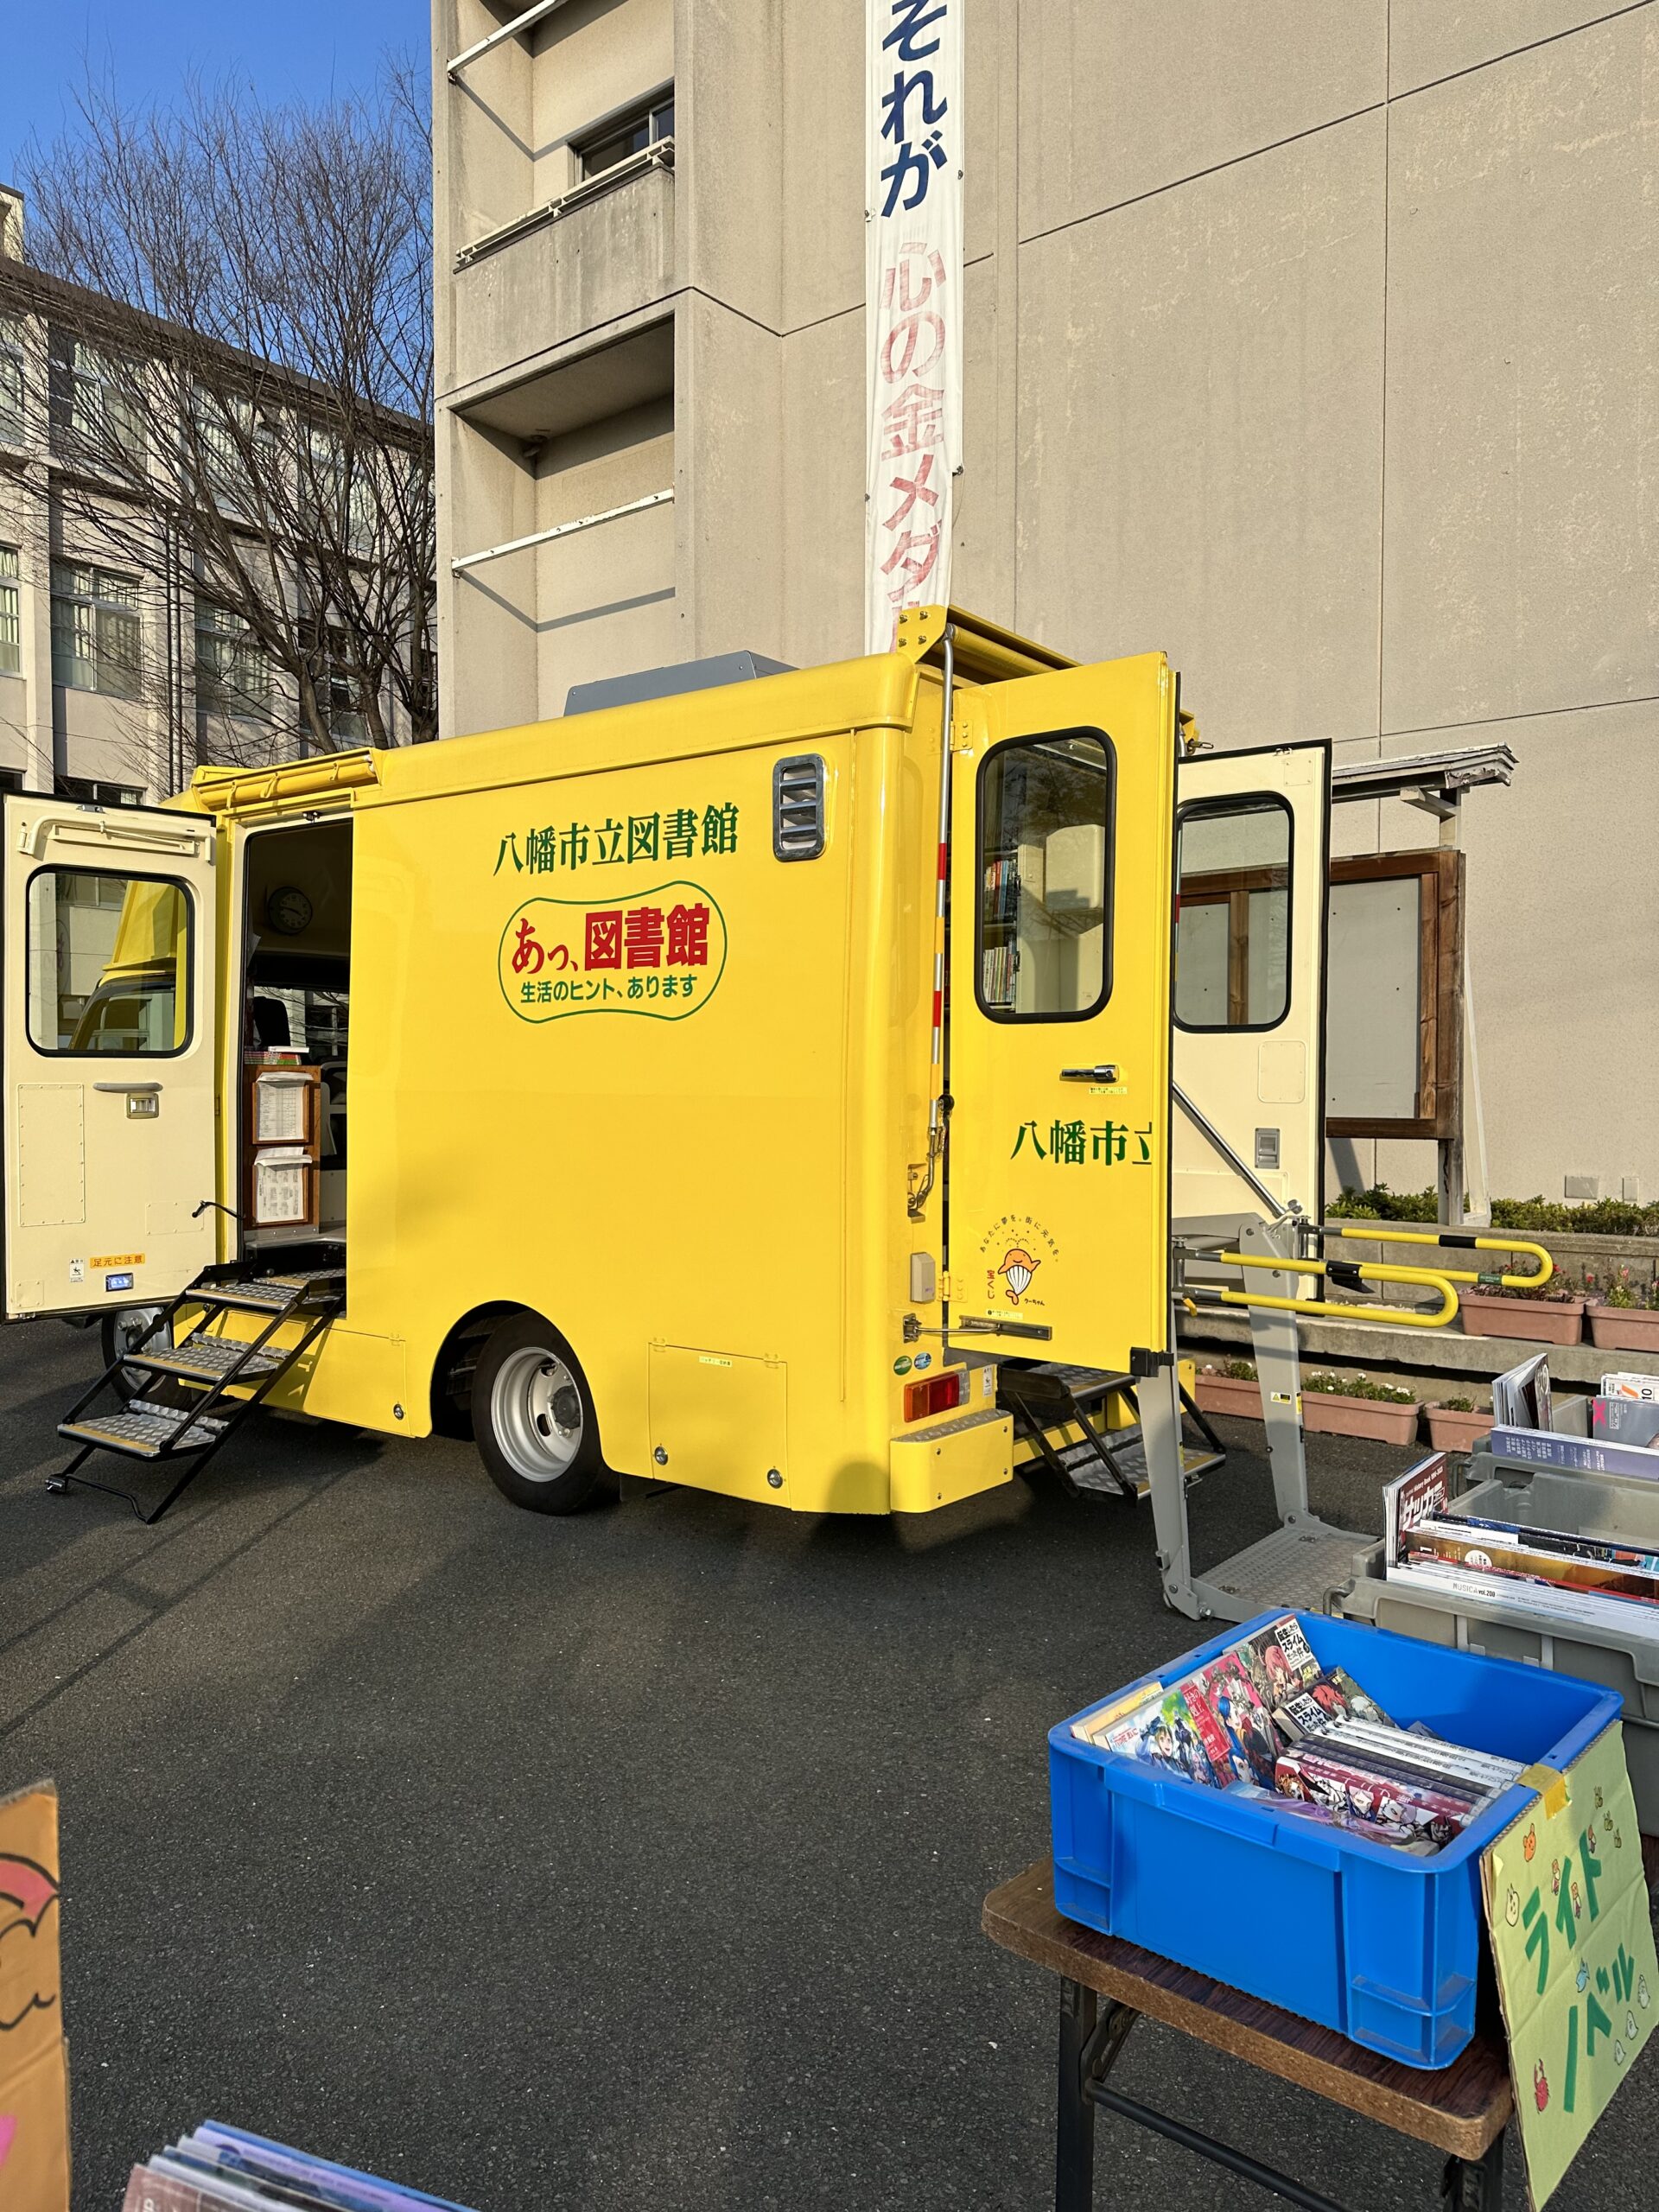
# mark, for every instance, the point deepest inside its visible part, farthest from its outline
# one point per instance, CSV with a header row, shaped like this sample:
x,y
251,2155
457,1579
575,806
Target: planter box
x,y
1227,1393
1324,1413
1455,1432
1540,1321
1624,1328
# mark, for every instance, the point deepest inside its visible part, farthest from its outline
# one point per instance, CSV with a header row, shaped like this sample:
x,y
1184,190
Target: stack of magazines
x,y
1590,1580
220,2169
1265,1719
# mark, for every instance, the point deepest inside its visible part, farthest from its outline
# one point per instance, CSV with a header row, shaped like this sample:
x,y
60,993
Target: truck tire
x,y
118,1329
533,1418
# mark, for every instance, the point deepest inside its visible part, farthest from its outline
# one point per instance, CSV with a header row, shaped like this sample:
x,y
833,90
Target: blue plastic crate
x,y
1379,1944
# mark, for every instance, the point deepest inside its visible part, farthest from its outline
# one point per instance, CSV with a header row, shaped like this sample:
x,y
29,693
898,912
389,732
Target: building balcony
x,y
601,251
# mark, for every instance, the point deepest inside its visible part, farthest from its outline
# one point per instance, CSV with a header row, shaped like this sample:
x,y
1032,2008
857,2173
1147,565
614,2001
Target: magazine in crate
x,y
1585,1580
1264,1718
219,2169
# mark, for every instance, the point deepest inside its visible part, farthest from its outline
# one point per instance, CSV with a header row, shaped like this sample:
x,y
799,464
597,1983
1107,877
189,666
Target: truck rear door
x,y
1252,856
1058,1178
109,1054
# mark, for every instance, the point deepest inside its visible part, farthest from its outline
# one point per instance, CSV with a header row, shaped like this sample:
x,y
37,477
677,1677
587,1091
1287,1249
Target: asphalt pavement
x,y
632,1859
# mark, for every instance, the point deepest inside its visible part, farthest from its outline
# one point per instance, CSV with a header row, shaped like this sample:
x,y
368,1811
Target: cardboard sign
x,y
1567,1907
34,2068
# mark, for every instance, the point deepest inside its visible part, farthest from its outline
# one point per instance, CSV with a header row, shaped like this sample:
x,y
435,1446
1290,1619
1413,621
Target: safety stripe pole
x,y
937,1078
942,888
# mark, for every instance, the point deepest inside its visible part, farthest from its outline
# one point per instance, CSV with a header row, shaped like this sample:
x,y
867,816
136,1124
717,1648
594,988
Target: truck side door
x,y
109,1054
1252,854
1058,1175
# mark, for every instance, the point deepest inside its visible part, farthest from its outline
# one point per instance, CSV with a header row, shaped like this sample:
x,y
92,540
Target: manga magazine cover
x,y
1279,1660
1244,1727
1167,1733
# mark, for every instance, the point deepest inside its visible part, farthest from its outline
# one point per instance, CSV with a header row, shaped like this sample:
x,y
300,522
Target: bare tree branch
x,y
240,365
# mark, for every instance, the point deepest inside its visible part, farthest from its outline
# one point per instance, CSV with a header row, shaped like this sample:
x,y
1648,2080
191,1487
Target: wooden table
x,y
1461,2109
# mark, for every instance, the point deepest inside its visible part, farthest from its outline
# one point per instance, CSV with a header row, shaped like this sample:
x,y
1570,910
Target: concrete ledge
x,y
1433,1353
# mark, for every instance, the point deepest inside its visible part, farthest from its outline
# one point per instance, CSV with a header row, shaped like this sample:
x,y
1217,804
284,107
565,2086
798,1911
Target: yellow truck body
x,y
622,1058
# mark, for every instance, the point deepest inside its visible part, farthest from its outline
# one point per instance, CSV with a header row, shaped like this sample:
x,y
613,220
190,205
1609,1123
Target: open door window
x,y
109,1059
1252,842
1059,1152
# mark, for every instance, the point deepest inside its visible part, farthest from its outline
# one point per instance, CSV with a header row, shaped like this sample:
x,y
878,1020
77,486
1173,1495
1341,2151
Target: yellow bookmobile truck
x,y
745,1087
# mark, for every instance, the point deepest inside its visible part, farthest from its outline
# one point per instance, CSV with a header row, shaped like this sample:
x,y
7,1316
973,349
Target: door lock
x,y
1106,1072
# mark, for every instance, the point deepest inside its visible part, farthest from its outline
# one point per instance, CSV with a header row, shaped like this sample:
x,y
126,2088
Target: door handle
x,y
1106,1072
126,1086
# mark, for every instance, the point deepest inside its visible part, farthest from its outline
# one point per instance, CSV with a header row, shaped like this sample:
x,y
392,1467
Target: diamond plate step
x,y
1300,1566
1086,1384
143,1430
206,1360
264,1294
1130,1452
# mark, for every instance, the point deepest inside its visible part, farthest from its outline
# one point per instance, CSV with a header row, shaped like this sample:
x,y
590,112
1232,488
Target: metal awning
x,y
1425,777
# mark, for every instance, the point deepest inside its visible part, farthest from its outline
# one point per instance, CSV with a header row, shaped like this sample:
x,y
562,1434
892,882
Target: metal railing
x,y
465,561
660,156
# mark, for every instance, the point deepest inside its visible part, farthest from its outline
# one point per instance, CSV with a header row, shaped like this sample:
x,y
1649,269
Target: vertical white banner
x,y
912,312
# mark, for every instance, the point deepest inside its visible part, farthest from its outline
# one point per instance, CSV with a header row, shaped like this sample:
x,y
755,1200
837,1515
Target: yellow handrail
x,y
1370,1271
1457,1240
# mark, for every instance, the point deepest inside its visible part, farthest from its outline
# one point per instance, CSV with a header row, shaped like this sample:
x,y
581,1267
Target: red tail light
x,y
937,1394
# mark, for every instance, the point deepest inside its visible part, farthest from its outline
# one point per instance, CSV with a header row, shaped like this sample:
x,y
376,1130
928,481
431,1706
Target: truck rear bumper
x,y
955,1459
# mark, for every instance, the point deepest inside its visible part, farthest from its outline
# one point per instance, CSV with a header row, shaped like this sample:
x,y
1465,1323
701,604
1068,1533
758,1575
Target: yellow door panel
x,y
1252,854
1058,1147
110,934
718,1421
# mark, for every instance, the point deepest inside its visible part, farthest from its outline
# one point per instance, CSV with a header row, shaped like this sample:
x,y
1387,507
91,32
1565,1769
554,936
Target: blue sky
x,y
282,47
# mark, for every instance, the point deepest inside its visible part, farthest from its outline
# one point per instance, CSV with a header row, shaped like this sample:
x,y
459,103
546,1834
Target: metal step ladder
x,y
229,1377
1098,1461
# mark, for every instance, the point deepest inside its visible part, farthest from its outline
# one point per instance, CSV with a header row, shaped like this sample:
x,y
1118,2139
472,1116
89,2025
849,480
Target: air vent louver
x,y
798,808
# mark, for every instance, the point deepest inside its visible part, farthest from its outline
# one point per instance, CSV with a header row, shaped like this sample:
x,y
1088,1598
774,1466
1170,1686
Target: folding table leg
x,y
1074,2150
1474,2184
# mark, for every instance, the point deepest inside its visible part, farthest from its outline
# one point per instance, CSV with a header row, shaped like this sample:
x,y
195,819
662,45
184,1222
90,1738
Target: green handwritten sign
x,y
1567,1907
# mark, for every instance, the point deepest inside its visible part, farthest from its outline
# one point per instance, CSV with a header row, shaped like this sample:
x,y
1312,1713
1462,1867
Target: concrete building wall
x,y
1318,345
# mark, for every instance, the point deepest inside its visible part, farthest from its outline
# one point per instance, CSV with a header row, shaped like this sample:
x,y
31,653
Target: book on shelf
x,y
998,965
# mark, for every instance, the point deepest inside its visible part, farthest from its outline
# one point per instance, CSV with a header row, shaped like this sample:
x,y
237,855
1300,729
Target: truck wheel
x,y
533,1418
120,1329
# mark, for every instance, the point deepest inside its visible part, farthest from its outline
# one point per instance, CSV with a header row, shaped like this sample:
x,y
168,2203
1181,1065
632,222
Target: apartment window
x,y
627,134
346,720
237,450
232,668
341,495
11,633
340,690
85,792
95,637
11,381
95,400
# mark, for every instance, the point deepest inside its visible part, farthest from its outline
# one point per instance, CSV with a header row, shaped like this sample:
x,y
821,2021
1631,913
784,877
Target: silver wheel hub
x,y
535,1414
131,1323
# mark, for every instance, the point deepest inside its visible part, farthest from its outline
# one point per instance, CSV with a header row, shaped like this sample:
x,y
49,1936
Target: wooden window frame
x,y
1440,1068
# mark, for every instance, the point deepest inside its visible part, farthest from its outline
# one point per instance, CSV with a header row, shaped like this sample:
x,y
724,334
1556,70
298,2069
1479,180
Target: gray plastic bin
x,y
1505,1627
